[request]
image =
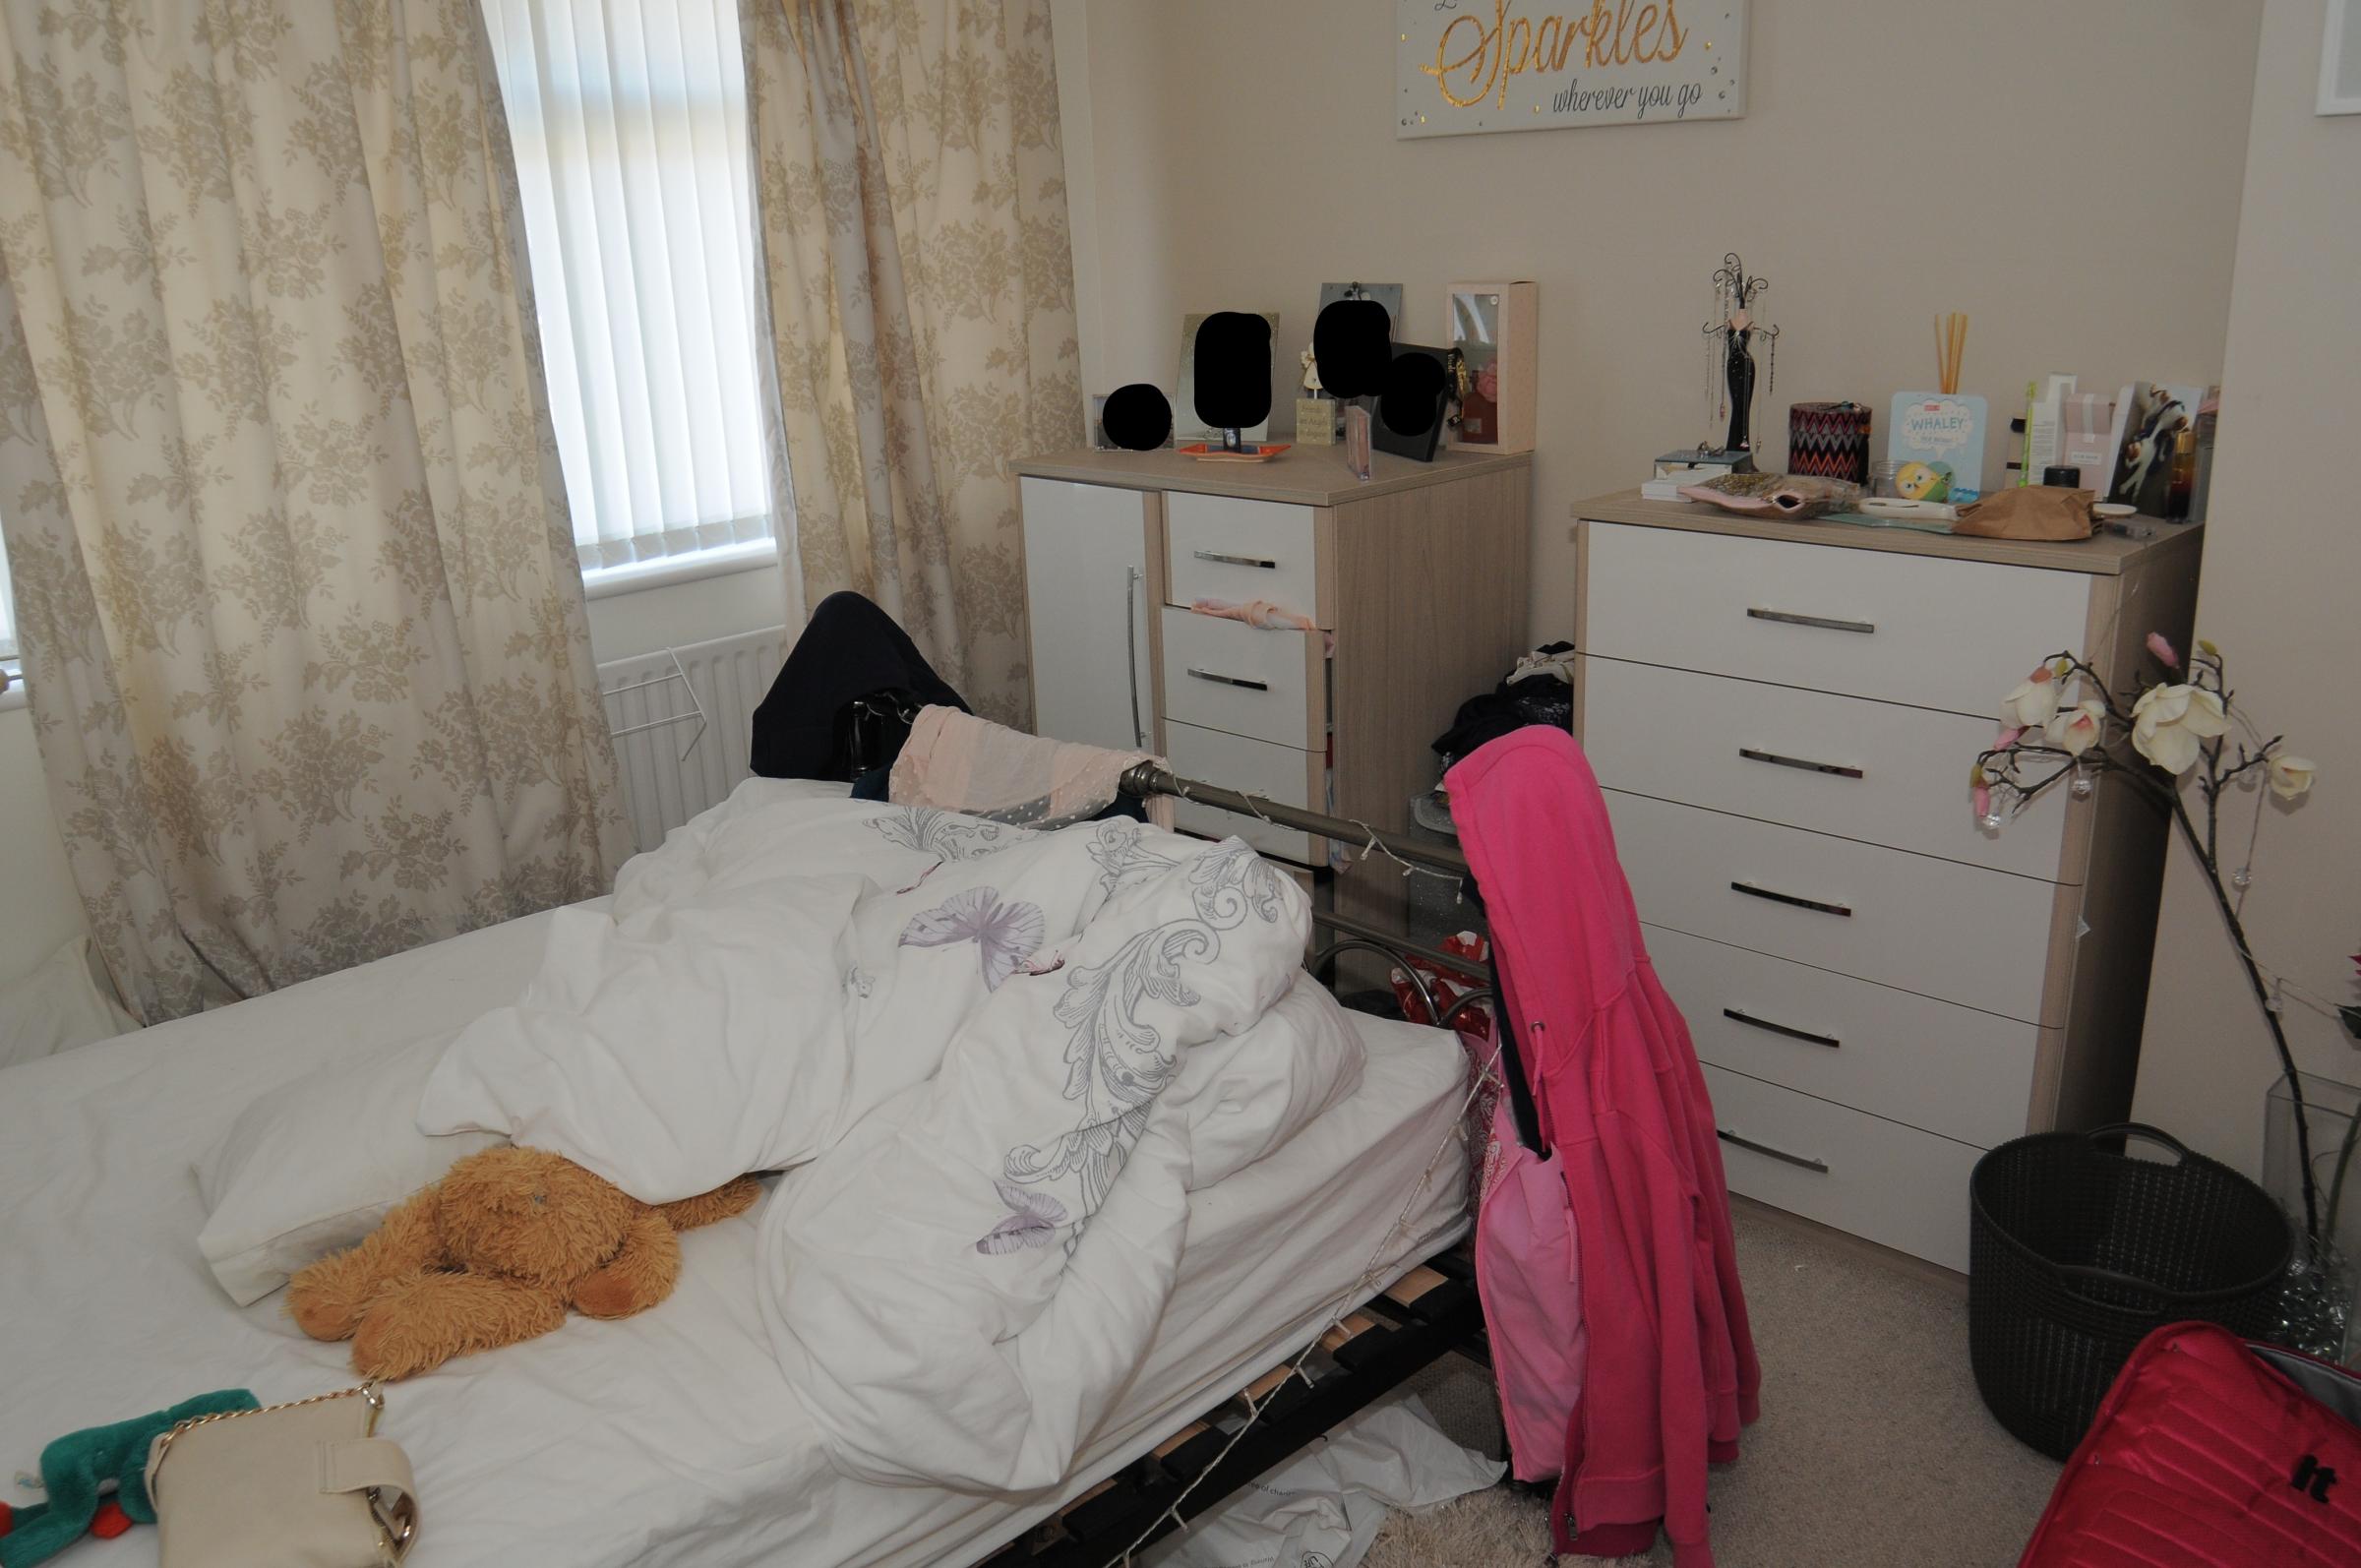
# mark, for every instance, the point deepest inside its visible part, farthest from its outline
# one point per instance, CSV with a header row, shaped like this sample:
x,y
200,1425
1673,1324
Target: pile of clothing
x,y
855,703
1539,691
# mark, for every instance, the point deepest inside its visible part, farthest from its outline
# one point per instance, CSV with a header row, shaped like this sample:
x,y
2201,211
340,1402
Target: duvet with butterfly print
x,y
991,1062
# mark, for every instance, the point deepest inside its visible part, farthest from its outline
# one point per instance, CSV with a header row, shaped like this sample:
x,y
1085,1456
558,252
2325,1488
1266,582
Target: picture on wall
x,y
1523,65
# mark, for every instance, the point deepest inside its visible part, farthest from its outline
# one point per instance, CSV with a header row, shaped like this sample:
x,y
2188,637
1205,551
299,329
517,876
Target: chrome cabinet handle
x,y
1804,1035
1824,622
1133,576
1752,892
1727,1136
1235,560
1229,680
1805,764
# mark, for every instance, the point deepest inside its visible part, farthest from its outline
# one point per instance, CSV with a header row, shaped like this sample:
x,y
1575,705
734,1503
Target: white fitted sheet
x,y
666,1438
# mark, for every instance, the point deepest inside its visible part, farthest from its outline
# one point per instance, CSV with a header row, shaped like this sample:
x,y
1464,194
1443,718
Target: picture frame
x,y
1187,426
1496,327
2340,59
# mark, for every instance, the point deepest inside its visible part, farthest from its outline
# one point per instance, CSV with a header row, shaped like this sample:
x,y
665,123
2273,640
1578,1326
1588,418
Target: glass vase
x,y
2317,1308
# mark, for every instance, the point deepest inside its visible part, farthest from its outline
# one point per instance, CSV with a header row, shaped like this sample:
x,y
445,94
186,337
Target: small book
x,y
1936,443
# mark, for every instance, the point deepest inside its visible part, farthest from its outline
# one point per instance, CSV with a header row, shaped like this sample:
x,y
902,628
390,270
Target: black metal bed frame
x,y
1429,1312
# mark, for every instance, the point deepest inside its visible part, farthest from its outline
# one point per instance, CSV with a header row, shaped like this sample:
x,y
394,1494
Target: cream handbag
x,y
306,1484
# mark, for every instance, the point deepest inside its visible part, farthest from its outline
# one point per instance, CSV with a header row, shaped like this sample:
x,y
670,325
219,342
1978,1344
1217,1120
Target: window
x,y
8,611
629,118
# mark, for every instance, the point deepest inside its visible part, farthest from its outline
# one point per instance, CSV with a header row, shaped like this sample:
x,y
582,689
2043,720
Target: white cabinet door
x,y
1086,595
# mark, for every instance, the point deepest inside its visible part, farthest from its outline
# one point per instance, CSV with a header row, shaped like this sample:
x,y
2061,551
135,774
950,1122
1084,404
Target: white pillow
x,y
312,1166
59,1005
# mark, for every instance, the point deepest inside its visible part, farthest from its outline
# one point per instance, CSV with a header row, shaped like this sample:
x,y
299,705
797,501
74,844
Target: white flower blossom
x,y
2169,722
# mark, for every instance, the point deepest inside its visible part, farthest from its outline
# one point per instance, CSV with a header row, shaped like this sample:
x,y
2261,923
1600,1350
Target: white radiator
x,y
676,764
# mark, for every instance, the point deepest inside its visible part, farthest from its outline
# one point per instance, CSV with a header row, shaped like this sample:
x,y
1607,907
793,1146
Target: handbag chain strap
x,y
394,1531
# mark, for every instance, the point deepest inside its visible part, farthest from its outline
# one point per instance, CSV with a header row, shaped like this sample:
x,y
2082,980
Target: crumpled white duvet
x,y
995,1062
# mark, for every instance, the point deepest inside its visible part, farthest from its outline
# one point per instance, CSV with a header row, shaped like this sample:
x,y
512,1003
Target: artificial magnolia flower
x,y
2163,650
2076,728
2290,777
2168,722
2036,698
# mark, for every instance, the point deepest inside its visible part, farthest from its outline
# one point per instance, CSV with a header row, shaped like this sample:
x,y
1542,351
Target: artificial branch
x,y
1998,770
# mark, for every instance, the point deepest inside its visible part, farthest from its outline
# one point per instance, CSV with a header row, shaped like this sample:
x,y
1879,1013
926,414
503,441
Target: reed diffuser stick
x,y
1950,348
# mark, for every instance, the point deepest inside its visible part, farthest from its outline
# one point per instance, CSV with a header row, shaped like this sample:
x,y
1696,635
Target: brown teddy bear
x,y
493,1254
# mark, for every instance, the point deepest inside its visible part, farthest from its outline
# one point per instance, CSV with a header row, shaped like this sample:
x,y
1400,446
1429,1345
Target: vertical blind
x,y
8,610
629,118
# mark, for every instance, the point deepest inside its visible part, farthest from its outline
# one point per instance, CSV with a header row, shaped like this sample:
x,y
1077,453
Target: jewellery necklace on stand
x,y
1734,294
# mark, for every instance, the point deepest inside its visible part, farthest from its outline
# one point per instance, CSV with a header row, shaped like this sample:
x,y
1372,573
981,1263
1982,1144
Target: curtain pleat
x,y
305,644
919,299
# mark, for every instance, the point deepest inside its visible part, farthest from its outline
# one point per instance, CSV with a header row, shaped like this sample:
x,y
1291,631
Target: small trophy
x,y
1315,412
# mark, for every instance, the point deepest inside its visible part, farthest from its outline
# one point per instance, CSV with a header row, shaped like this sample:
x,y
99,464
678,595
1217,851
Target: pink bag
x,y
1529,1275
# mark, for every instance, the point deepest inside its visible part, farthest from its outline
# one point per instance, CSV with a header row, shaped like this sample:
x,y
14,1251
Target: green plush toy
x,y
76,1465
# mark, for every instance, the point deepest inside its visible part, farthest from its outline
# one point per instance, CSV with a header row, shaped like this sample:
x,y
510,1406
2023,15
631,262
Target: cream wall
x,y
1898,158
2283,572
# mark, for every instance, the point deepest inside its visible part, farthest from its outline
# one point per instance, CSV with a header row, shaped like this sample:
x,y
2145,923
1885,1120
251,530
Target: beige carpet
x,y
1873,1450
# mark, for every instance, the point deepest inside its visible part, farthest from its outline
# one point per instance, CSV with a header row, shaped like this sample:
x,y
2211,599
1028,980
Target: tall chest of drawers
x,y
1415,582
1783,716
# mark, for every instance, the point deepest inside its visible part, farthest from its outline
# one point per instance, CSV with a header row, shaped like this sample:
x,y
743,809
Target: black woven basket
x,y
2077,1250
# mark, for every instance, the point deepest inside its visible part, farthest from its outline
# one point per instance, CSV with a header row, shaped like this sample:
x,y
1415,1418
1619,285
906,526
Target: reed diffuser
x,y
1951,346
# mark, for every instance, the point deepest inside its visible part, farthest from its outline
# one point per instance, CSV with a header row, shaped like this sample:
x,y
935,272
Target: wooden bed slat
x,y
1345,1333
1184,1434
1416,1282
1265,1386
1106,1485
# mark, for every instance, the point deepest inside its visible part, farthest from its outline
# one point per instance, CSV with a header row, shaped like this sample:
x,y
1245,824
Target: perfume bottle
x,y
2181,483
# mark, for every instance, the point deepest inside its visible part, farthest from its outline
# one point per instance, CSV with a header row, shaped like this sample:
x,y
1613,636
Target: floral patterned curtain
x,y
303,626
920,287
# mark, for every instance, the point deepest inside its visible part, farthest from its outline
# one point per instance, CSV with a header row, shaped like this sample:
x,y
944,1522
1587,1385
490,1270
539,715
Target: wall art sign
x,y
1465,66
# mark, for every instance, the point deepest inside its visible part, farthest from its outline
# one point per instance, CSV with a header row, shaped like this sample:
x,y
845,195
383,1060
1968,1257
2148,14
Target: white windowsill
x,y
607,581
14,697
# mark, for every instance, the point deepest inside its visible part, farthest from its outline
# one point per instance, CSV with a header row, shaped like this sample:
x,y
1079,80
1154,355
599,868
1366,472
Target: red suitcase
x,y
2212,1452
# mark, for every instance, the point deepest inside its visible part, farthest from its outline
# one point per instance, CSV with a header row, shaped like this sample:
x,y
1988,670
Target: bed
x,y
665,1438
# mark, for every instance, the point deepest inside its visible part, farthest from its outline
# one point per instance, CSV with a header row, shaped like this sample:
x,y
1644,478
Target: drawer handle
x,y
1824,622
1229,680
1805,764
1752,892
1727,1136
1235,560
1804,1035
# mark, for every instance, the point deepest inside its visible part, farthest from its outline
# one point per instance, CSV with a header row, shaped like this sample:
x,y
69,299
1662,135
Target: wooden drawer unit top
x,y
1937,634
1930,1064
1876,771
1953,932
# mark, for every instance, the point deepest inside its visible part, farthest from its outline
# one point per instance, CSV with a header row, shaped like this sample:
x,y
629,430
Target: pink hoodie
x,y
1671,1373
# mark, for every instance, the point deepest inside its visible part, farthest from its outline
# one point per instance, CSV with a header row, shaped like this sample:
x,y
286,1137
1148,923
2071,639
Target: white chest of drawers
x,y
1783,716
1418,574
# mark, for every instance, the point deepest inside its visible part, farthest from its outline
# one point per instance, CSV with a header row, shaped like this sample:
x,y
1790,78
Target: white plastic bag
x,y
1325,1507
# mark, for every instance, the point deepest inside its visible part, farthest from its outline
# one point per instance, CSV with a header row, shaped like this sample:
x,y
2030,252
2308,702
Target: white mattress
x,y
666,1438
